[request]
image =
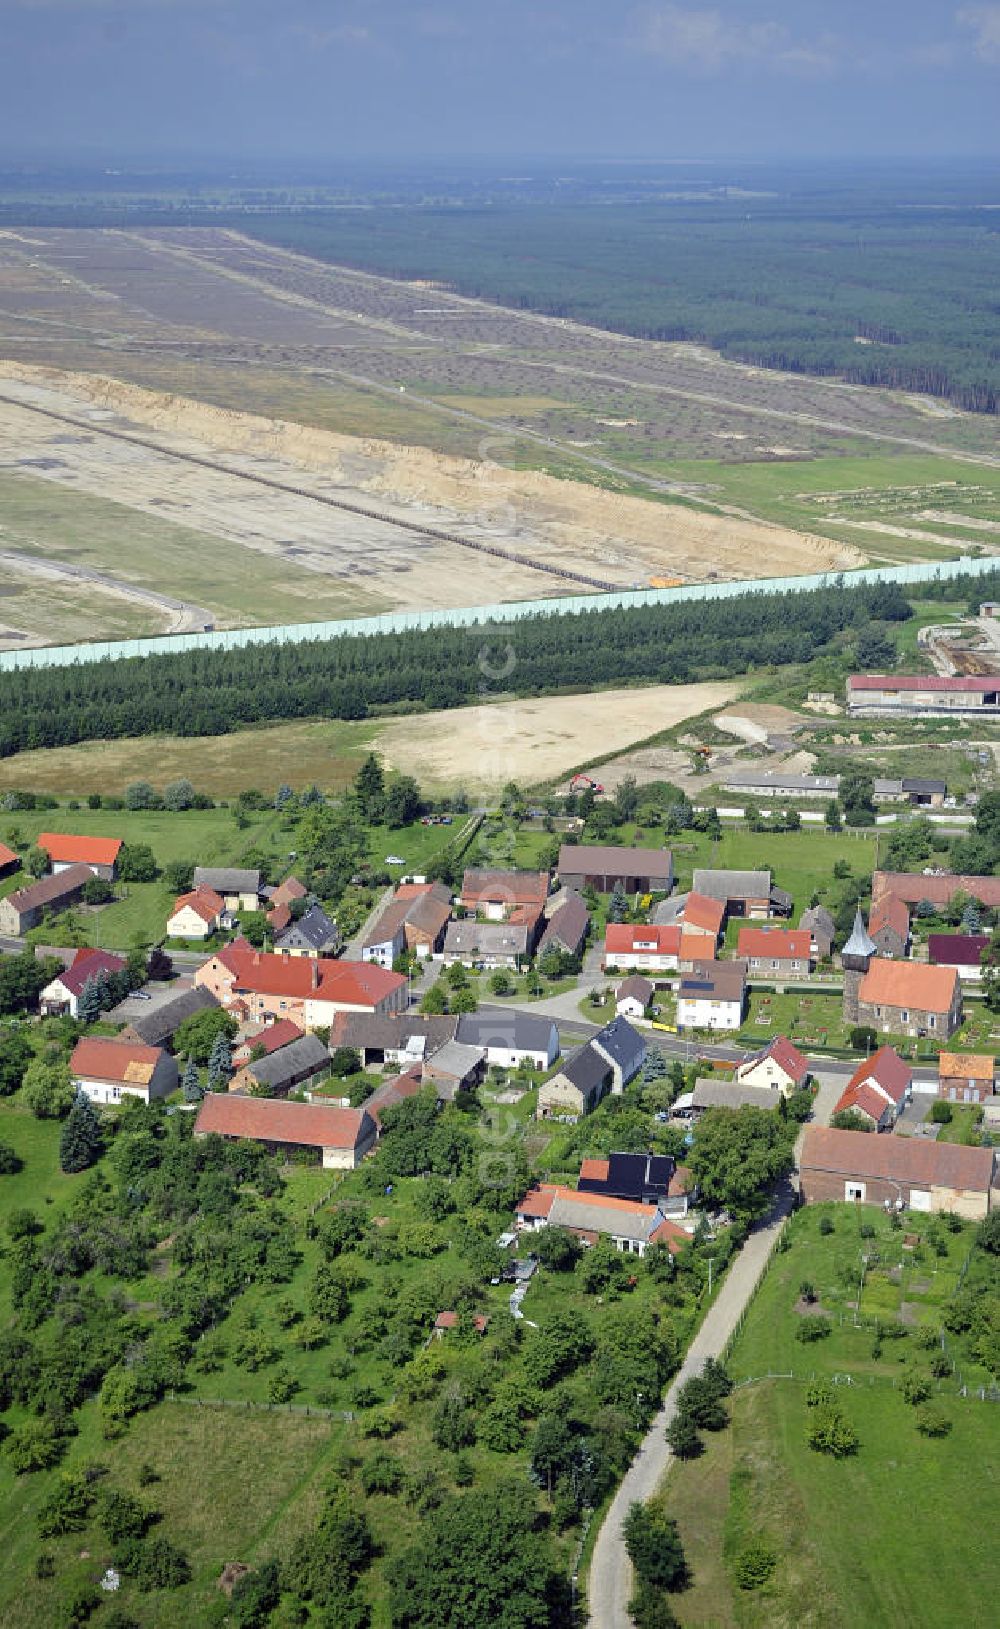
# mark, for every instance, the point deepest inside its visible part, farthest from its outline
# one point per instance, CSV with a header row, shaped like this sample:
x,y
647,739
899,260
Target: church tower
x,y
855,959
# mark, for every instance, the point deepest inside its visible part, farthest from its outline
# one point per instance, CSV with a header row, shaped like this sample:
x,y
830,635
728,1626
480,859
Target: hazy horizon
x,y
346,81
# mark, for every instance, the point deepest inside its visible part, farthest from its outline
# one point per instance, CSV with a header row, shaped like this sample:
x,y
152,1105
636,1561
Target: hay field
x,y
480,748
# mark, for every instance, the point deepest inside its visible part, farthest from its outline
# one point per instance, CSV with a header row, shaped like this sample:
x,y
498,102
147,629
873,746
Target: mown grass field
x,y
878,1539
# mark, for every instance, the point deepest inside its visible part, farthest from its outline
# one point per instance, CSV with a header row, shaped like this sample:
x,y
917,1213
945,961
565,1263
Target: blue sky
x,y
351,79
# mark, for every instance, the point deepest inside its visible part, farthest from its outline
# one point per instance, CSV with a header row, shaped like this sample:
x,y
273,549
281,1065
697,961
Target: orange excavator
x,y
581,783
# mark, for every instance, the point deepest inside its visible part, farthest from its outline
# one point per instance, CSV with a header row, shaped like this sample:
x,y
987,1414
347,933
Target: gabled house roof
x,y
88,964
714,981
227,879
123,1063
516,1031
888,1070
586,1068
911,1160
290,1062
890,912
703,913
159,1023
288,891
313,927
787,944
732,1094
271,1038
274,1120
726,885
391,1092
957,949
64,848
615,860
567,926
914,985
914,886
8,857
818,919
302,978
205,902
51,889
508,888
636,987
782,1052
621,1042
486,939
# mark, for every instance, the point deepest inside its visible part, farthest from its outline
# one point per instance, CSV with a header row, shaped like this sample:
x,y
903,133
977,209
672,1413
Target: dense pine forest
x,y
210,692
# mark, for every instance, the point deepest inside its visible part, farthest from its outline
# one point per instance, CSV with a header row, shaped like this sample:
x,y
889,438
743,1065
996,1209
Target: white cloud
x,y
704,39
984,21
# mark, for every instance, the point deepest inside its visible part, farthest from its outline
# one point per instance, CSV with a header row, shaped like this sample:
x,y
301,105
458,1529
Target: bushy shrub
x,y
932,1421
754,1565
813,1328
830,1432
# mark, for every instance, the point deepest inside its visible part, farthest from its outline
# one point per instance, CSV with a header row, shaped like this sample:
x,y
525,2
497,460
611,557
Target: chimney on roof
x,y
315,974
256,958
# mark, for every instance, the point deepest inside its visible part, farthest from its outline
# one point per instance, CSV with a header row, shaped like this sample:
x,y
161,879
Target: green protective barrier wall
x,y
475,615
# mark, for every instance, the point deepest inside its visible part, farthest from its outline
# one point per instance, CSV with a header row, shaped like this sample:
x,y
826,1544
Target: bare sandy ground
x,y
621,539
541,739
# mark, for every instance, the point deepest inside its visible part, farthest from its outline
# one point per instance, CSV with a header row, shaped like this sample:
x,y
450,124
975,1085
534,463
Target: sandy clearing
x,y
540,739
567,524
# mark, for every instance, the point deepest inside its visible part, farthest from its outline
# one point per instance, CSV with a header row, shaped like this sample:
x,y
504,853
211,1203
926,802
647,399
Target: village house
x,y
299,1063
710,1093
653,949
607,1062
776,952
154,1022
63,994
889,927
286,893
917,790
695,913
488,944
448,1320
339,1137
311,991
822,931
962,951
400,1039
240,888
566,929
496,895
644,1178
511,1039
24,909
879,1089
607,866
415,919
631,1227
454,1068
899,1173
311,934
98,854
766,783
391,1093
965,1077
196,915
108,1070
780,1064
633,996
910,998
712,997
9,861
939,889
264,1039
741,893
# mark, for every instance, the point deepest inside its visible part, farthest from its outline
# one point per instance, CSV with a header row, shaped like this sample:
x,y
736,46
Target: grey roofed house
x,y
453,1065
781,900
727,885
820,926
639,988
604,864
668,911
588,1218
587,1068
298,1061
509,1032
567,926
623,1047
23,909
376,1034
486,941
227,879
313,932
155,1023
729,1094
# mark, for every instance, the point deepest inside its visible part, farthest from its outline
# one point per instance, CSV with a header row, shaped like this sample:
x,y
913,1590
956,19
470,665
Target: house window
x,y
931,1021
855,1191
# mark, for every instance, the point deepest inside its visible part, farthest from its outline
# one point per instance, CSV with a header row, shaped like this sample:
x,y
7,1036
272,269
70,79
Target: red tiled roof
x,y
273,1120
305,978
887,1068
970,684
862,1099
785,943
966,1066
449,1320
890,912
785,1055
957,949
702,912
272,1038
897,1159
681,1182
638,939
508,888
913,886
8,857
123,1062
595,1170
87,964
278,917
66,849
205,902
537,1202
668,1233
288,890
391,1092
909,984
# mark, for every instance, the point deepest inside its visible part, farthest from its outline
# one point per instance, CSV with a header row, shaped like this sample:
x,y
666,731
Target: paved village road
x,y
610,1582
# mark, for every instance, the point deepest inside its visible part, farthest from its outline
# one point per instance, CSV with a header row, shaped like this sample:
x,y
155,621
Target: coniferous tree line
x,y
210,692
